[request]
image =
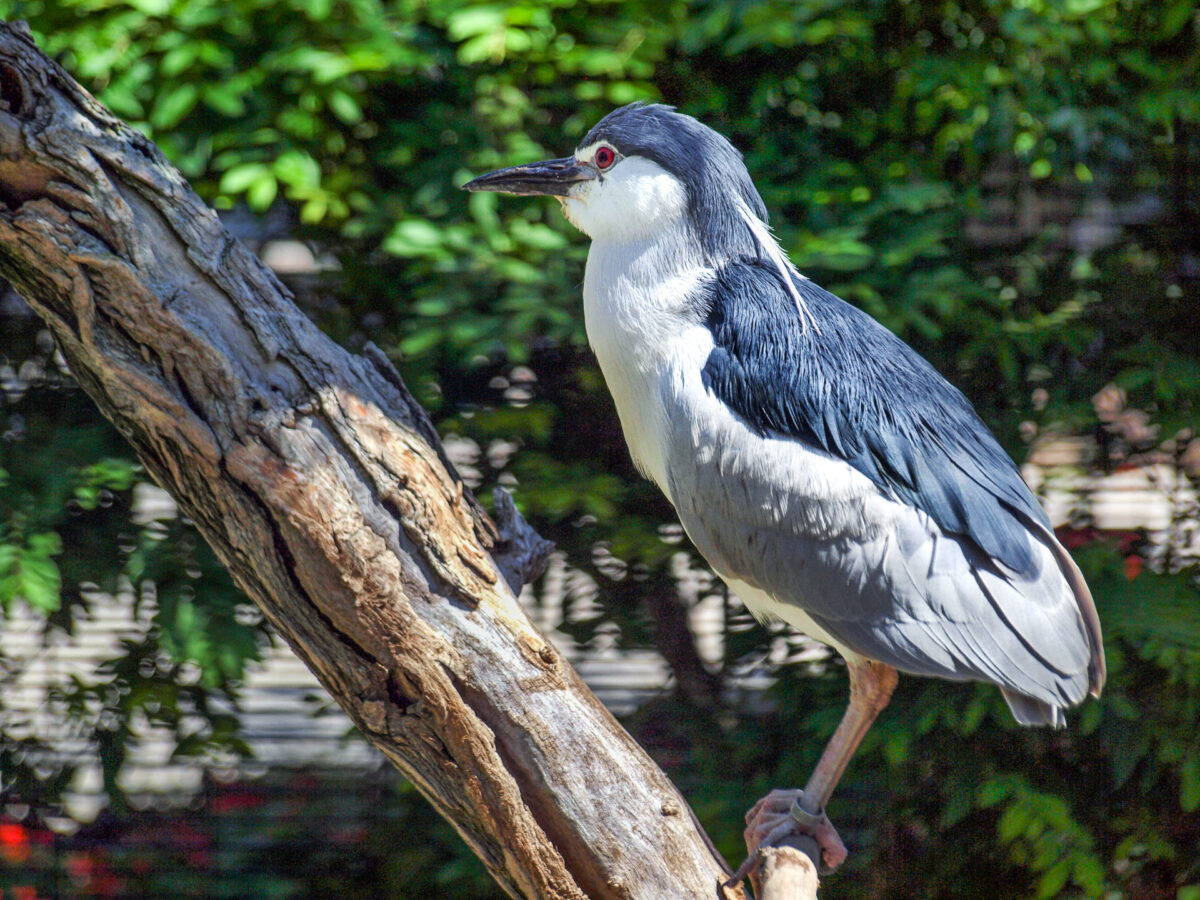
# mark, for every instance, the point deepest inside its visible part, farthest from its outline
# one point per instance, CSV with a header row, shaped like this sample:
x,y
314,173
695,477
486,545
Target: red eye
x,y
605,157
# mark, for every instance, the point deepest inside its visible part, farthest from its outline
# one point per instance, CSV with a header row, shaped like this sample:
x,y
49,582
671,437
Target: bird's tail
x,y
1097,669
1028,711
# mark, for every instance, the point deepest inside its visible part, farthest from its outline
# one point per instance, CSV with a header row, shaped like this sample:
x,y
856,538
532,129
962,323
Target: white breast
x,y
637,315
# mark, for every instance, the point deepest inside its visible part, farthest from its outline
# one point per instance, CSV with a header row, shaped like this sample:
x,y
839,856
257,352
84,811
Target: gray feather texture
x,y
879,577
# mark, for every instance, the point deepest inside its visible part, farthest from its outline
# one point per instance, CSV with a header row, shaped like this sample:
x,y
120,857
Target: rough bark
x,y
322,486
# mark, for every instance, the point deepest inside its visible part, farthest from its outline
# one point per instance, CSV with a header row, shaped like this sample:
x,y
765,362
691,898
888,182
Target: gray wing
x,y
856,391
878,575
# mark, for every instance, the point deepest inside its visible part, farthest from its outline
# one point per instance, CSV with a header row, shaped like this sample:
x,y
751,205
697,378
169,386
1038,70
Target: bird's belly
x,y
763,606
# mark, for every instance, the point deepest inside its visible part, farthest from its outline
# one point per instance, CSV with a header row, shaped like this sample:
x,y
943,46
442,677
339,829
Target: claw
x,y
776,816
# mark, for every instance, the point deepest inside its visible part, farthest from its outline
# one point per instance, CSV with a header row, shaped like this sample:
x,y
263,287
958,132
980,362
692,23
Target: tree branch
x,y
321,484
786,873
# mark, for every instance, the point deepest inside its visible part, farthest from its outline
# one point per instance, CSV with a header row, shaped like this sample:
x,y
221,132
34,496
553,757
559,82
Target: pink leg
x,y
784,812
871,686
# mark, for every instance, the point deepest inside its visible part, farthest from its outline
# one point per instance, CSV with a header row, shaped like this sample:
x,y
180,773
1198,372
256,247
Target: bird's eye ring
x,y
605,157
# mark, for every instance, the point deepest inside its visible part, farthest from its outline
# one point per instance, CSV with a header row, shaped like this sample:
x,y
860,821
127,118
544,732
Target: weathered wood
x,y
321,484
784,870
786,873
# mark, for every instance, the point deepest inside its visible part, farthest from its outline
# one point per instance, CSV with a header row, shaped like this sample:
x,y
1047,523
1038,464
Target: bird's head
x,y
642,169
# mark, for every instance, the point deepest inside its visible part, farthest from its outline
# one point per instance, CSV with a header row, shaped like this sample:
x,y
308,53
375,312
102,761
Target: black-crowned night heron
x,y
829,475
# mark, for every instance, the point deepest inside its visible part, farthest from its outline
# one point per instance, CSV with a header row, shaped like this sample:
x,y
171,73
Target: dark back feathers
x,y
856,391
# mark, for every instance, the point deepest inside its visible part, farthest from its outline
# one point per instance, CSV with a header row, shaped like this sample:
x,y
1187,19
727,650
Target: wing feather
x,y
858,392
836,471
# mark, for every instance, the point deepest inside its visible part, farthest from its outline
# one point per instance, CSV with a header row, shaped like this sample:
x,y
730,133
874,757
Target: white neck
x,y
639,304
639,292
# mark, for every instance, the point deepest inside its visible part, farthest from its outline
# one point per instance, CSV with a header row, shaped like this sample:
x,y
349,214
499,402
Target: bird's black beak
x,y
554,177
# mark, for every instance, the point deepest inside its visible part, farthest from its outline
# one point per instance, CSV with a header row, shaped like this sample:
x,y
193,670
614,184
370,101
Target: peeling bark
x,y
320,483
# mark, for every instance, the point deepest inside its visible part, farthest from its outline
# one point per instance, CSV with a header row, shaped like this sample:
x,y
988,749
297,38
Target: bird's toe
x,y
779,814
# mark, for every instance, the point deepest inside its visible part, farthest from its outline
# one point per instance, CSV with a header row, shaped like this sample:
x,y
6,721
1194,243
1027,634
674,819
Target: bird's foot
x,y
779,814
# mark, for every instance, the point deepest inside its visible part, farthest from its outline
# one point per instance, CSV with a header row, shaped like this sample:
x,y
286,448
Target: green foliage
x,y
1010,186
29,572
71,527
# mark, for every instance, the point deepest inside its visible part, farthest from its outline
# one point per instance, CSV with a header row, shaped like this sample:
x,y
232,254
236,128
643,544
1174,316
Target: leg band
x,y
805,818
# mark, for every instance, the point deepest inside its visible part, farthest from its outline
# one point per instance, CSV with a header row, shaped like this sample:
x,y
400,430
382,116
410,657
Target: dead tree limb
x,y
322,486
785,873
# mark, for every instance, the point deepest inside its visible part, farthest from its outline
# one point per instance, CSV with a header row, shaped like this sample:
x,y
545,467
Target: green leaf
x,y
475,20
314,211
151,7
992,792
261,193
1012,823
176,60
421,341
1174,16
317,10
168,111
1054,880
345,107
297,169
414,237
226,100
40,581
482,49
896,747
46,544
239,178
537,235
9,576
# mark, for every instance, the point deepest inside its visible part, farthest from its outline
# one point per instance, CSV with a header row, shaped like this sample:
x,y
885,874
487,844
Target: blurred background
x,y
1013,187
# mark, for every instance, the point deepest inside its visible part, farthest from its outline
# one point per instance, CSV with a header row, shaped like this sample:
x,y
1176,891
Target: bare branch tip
x,y
520,553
